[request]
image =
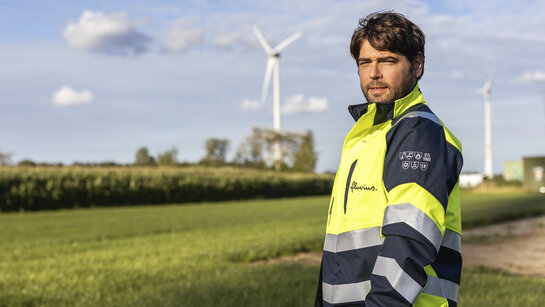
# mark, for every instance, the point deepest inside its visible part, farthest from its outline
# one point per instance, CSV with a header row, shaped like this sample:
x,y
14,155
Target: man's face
x,y
386,76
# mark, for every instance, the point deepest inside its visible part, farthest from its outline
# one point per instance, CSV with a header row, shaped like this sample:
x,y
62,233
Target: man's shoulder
x,y
419,122
417,114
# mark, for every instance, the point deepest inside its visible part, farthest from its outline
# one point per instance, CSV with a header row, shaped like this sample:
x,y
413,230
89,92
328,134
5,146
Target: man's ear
x,y
418,65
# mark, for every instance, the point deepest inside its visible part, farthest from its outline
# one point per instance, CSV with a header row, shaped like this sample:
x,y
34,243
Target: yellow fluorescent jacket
x,y
393,225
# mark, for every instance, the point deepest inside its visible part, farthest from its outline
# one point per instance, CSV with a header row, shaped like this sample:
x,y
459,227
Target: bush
x,y
26,163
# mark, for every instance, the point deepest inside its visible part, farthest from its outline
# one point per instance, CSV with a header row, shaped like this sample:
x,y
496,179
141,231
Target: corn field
x,y
50,188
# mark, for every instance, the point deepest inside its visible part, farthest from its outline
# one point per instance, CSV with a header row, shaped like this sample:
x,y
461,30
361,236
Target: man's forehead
x,y
368,51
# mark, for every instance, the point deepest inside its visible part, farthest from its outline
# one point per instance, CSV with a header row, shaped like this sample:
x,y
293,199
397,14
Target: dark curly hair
x,y
389,31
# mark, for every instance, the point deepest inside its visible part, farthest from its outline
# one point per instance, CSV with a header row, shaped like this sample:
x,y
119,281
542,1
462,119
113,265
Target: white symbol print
x,y
418,155
402,155
423,166
409,155
415,164
405,164
427,157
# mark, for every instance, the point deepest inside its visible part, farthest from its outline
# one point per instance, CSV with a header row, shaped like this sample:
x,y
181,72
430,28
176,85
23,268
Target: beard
x,y
393,92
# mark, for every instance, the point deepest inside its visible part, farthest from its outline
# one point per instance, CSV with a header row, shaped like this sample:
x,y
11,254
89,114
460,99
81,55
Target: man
x,y
393,226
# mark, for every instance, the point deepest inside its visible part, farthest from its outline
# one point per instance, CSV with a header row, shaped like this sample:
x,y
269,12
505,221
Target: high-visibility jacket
x,y
393,226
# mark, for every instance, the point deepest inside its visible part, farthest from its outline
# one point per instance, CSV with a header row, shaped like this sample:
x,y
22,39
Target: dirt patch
x,y
309,258
517,247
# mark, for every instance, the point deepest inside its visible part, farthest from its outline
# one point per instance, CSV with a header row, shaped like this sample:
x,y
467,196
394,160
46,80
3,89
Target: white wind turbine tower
x,y
488,169
273,66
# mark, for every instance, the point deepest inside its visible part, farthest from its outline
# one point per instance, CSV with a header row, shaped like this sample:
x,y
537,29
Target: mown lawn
x,y
197,255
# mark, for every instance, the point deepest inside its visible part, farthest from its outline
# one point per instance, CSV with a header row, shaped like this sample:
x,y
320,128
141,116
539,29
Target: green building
x,y
513,171
534,168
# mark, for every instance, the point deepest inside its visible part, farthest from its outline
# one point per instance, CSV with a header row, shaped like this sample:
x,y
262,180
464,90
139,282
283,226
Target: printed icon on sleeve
x,y
427,157
421,160
423,166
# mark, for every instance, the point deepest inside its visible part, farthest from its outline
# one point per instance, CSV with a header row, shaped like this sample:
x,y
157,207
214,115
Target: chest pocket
x,y
364,197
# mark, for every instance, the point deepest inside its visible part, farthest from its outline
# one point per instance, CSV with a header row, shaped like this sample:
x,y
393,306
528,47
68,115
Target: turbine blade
x,y
267,80
262,40
488,82
286,42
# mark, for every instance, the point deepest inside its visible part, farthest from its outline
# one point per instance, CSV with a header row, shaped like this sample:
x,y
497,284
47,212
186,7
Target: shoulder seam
x,y
423,114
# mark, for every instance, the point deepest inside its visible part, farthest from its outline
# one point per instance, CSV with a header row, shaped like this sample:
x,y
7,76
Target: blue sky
x,y
95,80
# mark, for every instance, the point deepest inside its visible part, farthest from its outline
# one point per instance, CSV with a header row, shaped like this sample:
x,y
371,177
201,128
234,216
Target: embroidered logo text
x,y
364,187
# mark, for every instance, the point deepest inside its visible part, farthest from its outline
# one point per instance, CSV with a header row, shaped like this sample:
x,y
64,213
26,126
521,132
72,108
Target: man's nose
x,y
374,72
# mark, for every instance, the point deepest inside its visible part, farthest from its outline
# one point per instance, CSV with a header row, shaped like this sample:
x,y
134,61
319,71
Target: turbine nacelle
x,y
485,91
486,87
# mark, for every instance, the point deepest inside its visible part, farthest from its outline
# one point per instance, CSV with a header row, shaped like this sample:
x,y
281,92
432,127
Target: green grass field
x,y
197,255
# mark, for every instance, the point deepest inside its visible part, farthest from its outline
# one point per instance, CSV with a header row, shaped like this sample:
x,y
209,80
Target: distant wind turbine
x,y
273,66
488,168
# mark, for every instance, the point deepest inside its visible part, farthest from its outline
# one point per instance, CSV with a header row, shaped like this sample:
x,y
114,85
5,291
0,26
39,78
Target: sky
x,y
94,81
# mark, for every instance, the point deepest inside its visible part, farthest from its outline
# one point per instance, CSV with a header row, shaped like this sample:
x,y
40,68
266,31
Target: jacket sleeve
x,y
421,168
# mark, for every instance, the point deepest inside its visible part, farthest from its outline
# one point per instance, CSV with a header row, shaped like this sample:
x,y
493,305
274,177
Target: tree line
x,y
256,151
262,149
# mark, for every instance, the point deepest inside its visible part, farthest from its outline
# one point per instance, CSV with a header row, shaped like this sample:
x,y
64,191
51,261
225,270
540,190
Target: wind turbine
x,y
488,169
273,66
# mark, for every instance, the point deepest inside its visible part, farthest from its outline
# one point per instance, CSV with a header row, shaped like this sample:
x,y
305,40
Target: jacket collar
x,y
388,110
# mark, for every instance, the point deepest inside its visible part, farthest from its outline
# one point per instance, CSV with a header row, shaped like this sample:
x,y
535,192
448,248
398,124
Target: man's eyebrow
x,y
380,59
388,58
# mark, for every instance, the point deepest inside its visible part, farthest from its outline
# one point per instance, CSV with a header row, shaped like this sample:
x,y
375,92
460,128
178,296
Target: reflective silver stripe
x,y
353,240
442,288
428,115
452,240
400,281
345,293
422,114
414,217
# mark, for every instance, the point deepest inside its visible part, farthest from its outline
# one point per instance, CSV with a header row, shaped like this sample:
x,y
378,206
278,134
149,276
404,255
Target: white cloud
x,y
181,38
249,105
66,96
298,104
226,40
112,34
527,77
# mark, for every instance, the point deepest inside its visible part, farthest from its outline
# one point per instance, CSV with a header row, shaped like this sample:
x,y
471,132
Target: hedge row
x,y
50,188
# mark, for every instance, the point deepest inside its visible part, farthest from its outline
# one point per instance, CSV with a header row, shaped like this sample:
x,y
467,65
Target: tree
x,y
250,152
216,150
168,158
304,159
143,157
296,149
